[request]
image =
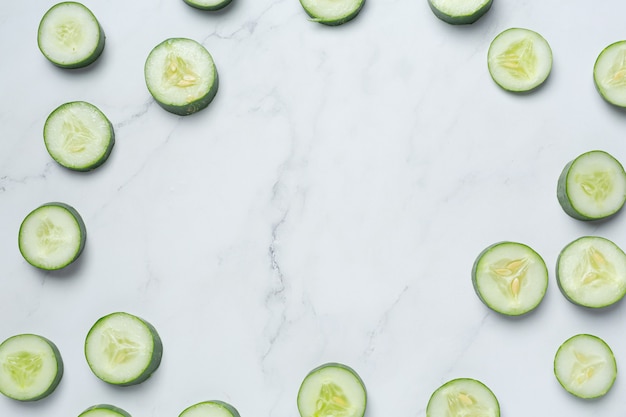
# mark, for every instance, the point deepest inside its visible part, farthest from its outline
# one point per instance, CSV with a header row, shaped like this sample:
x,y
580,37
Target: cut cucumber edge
x,y
337,379
210,5
600,194
519,60
321,11
604,280
56,51
119,369
78,136
108,409
463,394
212,408
51,363
609,74
459,17
510,278
591,360
67,233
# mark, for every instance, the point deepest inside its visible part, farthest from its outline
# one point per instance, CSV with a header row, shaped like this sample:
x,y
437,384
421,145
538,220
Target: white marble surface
x,y
327,206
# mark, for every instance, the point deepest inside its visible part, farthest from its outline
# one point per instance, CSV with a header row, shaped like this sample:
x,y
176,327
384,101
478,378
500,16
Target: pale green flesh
x,y
104,411
332,391
585,366
209,409
609,73
459,8
463,397
331,10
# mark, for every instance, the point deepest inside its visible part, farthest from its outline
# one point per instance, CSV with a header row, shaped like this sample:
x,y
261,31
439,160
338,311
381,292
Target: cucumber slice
x,y
592,186
70,36
332,390
30,367
585,366
459,12
591,272
519,60
78,136
463,397
52,236
510,278
123,349
104,410
609,73
332,12
181,76
210,409
208,4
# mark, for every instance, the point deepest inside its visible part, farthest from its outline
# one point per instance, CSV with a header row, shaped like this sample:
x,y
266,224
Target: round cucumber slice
x,y
123,349
459,12
52,236
70,36
585,366
463,397
332,390
519,60
30,367
181,76
609,73
208,4
592,186
332,12
78,136
591,272
213,408
104,410
510,278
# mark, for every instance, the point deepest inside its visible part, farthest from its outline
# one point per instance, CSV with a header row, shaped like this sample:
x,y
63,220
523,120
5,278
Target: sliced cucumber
x,y
510,278
585,366
104,410
519,60
78,136
609,73
181,76
52,236
332,12
463,397
70,36
208,4
592,186
591,272
460,12
123,349
210,409
30,367
332,390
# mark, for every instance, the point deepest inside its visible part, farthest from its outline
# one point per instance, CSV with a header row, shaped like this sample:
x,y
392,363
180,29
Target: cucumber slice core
x,y
30,367
332,12
463,397
609,73
459,12
585,366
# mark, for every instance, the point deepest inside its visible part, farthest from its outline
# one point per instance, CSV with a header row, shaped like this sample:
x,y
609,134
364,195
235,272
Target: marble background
x,y
327,206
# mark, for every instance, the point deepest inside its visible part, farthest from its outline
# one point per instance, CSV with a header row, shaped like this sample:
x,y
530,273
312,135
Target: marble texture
x,y
327,206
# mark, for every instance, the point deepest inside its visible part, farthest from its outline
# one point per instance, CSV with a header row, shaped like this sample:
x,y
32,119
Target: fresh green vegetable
x,y
104,410
181,76
463,397
592,186
210,409
510,278
30,367
460,12
52,236
332,390
78,136
609,73
208,4
70,36
519,60
123,349
591,272
332,12
585,366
